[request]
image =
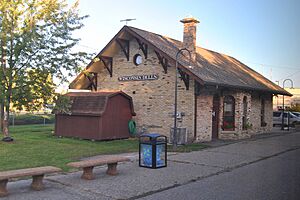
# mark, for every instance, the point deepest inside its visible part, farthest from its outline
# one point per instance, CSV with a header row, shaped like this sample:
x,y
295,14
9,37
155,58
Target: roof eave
x,y
181,66
101,52
249,88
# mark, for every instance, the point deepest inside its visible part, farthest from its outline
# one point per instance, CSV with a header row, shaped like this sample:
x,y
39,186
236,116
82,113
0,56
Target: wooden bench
x,y
88,165
36,173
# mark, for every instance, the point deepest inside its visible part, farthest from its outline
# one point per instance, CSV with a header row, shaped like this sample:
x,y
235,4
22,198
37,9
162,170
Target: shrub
x,y
63,105
248,126
227,125
23,119
294,108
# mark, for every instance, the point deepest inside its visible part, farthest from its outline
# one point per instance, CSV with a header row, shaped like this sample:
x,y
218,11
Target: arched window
x,y
228,113
245,106
262,113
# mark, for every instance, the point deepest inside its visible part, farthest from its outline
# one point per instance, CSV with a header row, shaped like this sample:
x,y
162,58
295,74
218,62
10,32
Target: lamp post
x,y
292,85
175,104
277,97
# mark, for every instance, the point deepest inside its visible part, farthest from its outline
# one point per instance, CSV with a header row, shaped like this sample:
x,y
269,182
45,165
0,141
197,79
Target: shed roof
x,y
93,103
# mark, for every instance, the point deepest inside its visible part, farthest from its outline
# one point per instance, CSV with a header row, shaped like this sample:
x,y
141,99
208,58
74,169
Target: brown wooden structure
x,y
96,116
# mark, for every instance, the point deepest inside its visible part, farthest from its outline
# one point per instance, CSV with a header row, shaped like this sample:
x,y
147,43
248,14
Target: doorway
x,y
215,116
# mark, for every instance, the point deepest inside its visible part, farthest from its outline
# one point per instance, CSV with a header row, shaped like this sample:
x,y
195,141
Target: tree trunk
x,y
1,115
5,125
6,113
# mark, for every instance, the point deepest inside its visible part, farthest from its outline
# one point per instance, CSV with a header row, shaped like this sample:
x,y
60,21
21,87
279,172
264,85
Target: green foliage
x,y
294,108
36,39
35,145
25,119
248,126
63,105
34,89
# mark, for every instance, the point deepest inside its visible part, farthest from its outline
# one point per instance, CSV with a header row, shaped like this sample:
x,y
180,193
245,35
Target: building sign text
x,y
139,77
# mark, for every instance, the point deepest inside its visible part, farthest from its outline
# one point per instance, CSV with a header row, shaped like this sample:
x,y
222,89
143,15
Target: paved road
x,y
277,177
263,168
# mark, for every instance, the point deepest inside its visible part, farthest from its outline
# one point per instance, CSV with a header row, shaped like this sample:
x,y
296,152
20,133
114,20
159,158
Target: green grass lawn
x,y
35,145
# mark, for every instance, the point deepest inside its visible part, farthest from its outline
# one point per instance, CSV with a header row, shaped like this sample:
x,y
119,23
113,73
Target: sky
x,y
263,34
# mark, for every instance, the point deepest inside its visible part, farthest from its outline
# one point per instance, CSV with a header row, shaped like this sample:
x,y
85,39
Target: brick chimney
x,y
189,35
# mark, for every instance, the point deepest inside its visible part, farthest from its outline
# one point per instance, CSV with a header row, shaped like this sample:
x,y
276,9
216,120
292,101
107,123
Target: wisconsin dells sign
x,y
139,77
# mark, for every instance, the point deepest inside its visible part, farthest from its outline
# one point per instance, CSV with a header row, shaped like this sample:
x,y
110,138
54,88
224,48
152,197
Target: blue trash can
x,y
153,151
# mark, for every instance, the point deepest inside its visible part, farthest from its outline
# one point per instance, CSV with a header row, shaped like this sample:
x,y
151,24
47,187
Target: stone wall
x,y
256,114
253,115
153,100
204,116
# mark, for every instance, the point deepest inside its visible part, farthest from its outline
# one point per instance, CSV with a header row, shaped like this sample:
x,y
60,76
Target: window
x,y
228,113
137,59
262,114
286,115
245,105
297,114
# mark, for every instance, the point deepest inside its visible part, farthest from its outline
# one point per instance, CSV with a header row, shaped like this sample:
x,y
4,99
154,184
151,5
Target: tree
x,y
63,105
36,46
294,108
34,89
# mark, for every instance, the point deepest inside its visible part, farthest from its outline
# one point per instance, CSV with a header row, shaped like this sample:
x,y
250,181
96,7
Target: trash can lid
x,y
152,135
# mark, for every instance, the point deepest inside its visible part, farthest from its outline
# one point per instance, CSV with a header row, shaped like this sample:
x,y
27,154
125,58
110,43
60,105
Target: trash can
x,y
153,151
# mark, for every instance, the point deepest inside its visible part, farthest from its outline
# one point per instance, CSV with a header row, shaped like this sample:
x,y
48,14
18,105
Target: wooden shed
x,y
96,116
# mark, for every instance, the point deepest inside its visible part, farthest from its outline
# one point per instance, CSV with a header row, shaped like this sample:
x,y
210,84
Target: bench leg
x,y
112,169
3,190
37,182
88,173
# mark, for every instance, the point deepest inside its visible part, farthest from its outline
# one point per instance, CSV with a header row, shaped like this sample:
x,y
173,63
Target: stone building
x,y
218,96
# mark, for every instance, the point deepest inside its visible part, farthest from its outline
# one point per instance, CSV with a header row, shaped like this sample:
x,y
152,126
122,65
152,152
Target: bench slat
x,y
28,172
98,161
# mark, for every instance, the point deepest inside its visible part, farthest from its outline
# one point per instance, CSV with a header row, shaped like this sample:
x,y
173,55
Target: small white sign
x,y
139,77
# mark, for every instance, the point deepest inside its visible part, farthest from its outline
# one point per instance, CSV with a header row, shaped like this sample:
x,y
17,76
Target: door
x,y
215,116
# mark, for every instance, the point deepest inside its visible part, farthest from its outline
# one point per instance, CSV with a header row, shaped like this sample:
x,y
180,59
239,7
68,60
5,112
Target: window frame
x,y
228,118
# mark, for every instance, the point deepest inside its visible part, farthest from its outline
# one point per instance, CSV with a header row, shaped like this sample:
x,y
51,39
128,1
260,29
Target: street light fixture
x,y
292,86
277,96
175,104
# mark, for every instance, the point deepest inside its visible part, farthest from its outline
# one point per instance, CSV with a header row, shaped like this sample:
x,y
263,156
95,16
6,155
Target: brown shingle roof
x,y
93,103
210,68
214,68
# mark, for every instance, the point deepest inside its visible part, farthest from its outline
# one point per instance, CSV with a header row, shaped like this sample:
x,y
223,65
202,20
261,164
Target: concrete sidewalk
x,y
134,182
